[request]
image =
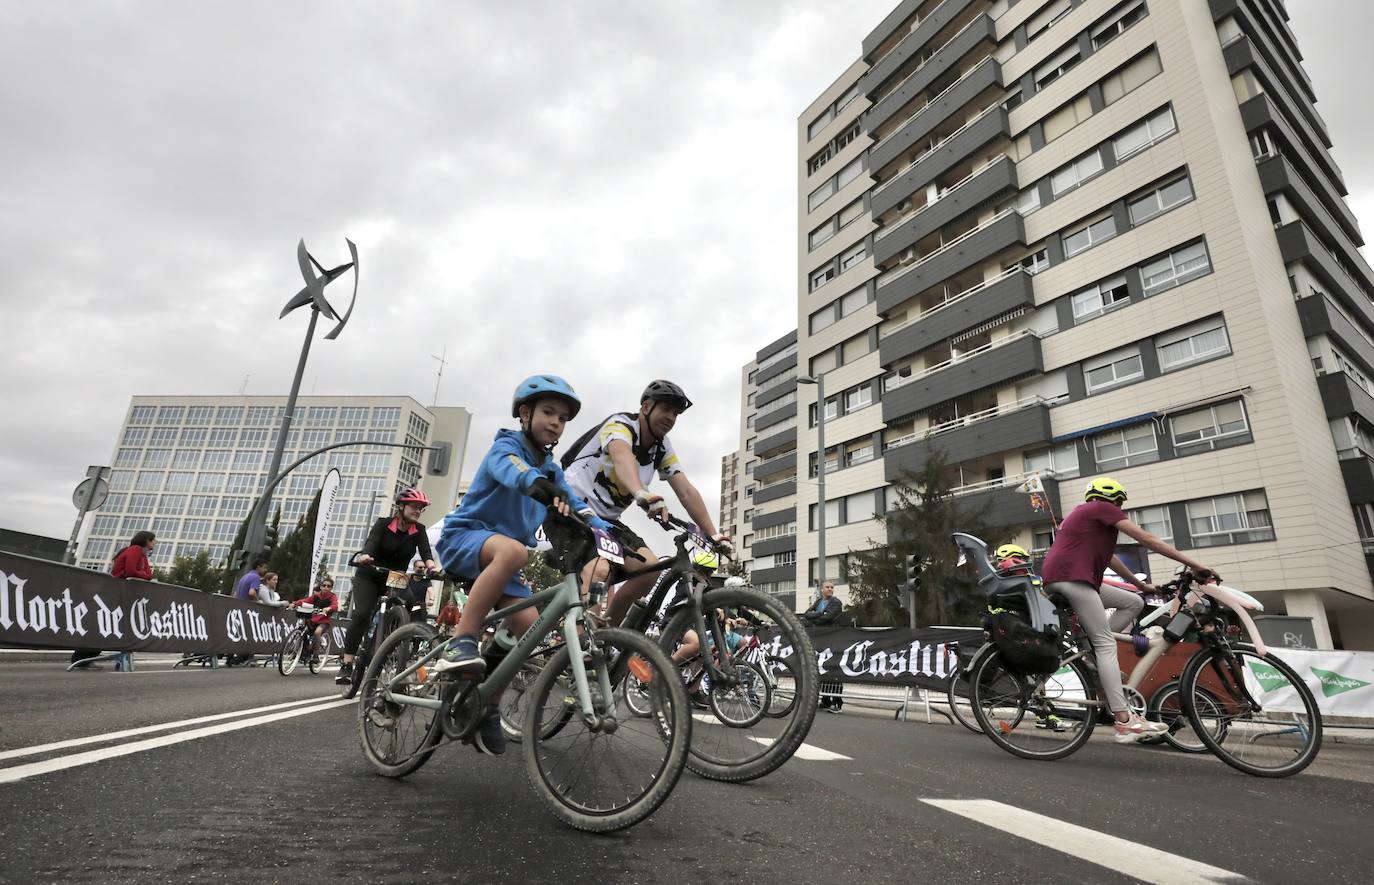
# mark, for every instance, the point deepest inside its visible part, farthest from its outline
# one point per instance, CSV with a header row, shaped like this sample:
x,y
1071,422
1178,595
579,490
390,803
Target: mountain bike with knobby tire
x,y
595,763
1245,705
392,612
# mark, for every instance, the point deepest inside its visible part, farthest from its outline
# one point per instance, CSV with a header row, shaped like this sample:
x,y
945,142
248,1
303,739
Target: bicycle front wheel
x,y
722,749
1166,705
398,738
289,655
782,684
612,772
1034,717
1251,710
317,652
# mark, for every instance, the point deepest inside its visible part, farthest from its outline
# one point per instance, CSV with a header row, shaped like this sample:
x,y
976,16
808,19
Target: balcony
x,y
976,33
1240,54
1357,469
1261,113
972,307
777,517
775,416
1277,173
887,26
774,491
776,465
774,392
987,183
917,130
1297,243
1320,317
1006,504
768,445
1017,425
969,249
786,572
773,545
775,367
882,67
1276,52
1001,361
1342,397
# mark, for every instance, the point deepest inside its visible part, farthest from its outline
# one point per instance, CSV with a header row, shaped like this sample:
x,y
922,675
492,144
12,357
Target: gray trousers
x,y
1091,604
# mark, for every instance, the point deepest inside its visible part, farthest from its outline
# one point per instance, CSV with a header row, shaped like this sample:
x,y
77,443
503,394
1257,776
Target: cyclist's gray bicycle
x,y
596,764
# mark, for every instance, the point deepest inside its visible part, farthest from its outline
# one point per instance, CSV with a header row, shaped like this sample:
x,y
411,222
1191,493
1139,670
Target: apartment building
x,y
189,468
728,518
1058,238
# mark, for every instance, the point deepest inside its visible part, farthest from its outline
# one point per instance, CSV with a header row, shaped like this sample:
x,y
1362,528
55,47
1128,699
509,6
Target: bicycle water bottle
x,y
635,615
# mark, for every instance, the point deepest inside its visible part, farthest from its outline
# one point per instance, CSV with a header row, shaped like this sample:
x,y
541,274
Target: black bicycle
x,y
392,612
301,644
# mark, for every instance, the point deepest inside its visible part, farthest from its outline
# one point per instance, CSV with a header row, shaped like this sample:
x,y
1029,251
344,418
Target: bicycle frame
x,y
562,606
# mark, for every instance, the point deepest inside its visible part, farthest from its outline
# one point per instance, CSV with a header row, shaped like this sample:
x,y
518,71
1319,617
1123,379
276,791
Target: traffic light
x,y
439,458
269,540
912,573
238,560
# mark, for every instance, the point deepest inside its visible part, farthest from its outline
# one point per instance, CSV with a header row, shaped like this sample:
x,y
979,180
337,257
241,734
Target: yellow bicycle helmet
x,y
1104,488
1007,551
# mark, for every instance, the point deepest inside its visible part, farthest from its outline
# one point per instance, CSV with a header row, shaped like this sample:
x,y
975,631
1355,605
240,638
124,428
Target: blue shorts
x,y
460,553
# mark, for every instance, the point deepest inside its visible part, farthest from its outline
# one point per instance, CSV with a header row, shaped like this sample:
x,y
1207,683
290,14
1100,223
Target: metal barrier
x,y
866,693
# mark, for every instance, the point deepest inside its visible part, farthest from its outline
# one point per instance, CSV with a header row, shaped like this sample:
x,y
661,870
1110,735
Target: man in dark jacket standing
x,y
823,613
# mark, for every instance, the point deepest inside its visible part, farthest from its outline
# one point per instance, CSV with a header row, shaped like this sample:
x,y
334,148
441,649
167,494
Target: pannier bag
x,y
1023,648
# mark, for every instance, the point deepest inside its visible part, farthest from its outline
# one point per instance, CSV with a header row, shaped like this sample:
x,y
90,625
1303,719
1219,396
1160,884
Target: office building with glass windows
x,y
189,468
1062,238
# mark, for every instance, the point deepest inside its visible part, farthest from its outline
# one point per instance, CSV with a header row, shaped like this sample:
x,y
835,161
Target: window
x,y
234,507
224,530
199,414
1364,521
228,416
253,439
149,481
1161,199
822,319
209,482
170,414
127,457
853,301
141,415
320,416
105,525
1139,70
1062,461
822,276
98,550
851,213
1076,173
121,480
1154,520
1175,269
820,122
823,362
859,346
1041,21
1089,235
180,481
1197,342
821,234
1144,134
1115,370
172,505
1013,99
1203,427
858,453
196,530
222,438
821,194
1066,117
243,483
1126,447
115,503
185,458
248,460
1230,519
849,172
217,459
388,417
134,436
1057,66
1117,23
202,505
259,416
832,408
1262,145
858,398
852,256
1100,298
163,436
843,101
141,503
1032,263
352,416
166,529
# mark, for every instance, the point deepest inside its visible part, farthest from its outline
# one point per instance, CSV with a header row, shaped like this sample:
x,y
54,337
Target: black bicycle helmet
x,y
662,391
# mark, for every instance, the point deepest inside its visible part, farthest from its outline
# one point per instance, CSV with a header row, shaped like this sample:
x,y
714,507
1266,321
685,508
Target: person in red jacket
x,y
326,603
131,562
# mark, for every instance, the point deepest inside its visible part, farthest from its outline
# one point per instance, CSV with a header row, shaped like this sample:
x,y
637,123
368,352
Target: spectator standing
x,y
267,590
247,586
131,562
824,612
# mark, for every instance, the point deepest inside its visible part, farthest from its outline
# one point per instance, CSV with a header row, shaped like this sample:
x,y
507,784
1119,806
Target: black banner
x,y
49,605
895,656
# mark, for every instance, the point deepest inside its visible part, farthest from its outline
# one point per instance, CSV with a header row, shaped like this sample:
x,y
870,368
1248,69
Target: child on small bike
x,y
488,537
325,603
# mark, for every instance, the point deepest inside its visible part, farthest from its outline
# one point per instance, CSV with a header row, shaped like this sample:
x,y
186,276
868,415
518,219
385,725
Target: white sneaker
x,y
1135,728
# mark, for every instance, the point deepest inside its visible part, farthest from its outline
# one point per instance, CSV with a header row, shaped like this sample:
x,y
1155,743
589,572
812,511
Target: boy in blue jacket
x,y
490,533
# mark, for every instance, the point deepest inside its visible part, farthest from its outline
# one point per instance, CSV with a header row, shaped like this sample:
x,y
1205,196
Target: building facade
x,y
189,468
728,518
1061,238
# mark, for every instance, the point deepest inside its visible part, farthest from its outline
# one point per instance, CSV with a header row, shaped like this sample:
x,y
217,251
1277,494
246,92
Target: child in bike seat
x,y
488,537
1012,560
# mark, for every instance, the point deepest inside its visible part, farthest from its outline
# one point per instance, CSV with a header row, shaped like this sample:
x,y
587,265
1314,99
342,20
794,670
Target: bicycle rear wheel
x,y
515,699
960,705
783,682
613,773
1166,705
1034,717
399,738
289,655
744,704
722,749
1258,717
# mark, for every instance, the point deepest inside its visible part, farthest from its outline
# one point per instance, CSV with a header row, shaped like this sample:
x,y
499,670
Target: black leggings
x,y
366,591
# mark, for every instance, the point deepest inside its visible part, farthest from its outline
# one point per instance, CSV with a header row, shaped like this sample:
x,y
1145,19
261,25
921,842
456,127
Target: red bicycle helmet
x,y
411,496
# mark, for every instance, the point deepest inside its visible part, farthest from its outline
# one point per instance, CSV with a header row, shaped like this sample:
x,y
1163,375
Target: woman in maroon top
x,y
1084,545
132,561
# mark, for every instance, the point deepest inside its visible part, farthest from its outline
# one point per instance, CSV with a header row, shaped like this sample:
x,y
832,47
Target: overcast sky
x,y
606,190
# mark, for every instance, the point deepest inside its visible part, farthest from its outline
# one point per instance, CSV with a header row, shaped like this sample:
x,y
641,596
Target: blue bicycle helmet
x,y
536,386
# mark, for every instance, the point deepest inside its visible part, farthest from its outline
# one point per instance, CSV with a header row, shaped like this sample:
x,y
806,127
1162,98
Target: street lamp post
x,y
819,381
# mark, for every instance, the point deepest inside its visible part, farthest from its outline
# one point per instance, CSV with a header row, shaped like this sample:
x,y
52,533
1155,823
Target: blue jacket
x,y
497,501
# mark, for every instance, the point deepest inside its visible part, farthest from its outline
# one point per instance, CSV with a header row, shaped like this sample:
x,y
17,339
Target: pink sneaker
x,y
1135,728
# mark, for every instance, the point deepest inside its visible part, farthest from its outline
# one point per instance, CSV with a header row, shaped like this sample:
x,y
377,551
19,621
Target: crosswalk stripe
x,y
1128,858
20,772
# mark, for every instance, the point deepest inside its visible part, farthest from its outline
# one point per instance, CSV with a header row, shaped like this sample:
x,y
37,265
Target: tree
x,y
195,572
540,574
736,569
925,514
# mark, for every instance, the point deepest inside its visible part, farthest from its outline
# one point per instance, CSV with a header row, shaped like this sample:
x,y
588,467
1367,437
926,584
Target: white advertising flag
x,y
329,494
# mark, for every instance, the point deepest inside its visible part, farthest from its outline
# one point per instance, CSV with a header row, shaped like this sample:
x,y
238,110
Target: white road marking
x,y
147,729
19,772
1128,858
805,751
